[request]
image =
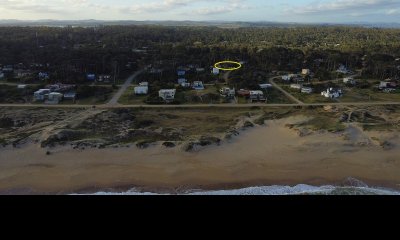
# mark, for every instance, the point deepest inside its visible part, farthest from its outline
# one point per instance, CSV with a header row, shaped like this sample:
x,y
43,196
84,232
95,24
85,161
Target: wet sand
x,y
267,155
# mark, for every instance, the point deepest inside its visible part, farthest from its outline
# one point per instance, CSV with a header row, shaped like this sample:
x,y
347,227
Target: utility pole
x,y
115,71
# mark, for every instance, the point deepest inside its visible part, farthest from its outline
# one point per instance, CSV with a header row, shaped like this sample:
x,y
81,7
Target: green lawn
x,y
365,95
129,97
308,98
102,99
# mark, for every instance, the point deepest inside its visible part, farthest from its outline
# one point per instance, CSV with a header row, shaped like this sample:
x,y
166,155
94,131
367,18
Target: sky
x,y
304,11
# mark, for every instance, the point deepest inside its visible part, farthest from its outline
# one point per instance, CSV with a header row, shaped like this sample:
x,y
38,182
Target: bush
x,y
93,91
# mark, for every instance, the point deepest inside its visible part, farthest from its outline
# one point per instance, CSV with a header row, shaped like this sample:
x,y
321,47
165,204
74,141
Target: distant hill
x,y
222,24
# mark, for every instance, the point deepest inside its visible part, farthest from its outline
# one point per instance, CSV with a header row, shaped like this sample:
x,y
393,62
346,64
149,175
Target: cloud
x,y
322,7
393,11
231,6
165,5
45,6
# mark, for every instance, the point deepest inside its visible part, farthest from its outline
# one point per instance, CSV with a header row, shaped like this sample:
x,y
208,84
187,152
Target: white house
x,y
1,75
41,94
144,84
289,77
307,90
296,86
257,95
8,69
181,80
167,94
55,96
198,85
227,92
21,86
306,71
265,86
43,75
332,93
383,84
185,84
215,71
104,78
349,80
141,90
181,72
70,95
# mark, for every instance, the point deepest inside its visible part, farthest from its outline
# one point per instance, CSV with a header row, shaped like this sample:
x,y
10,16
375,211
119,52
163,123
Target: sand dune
x,y
265,155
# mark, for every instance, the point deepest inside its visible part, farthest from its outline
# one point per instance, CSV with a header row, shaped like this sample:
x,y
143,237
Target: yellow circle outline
x,y
228,69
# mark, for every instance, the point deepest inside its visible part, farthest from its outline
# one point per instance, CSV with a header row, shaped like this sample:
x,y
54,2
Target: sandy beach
x,y
273,154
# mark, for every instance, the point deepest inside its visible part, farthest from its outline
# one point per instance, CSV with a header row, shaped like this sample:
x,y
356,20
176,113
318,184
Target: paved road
x,y
123,88
228,105
271,80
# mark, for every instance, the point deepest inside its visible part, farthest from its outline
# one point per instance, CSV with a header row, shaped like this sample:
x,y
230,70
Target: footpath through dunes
x,y
279,153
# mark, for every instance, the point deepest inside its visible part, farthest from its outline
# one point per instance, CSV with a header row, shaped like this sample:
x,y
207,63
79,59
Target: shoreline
x,y
254,158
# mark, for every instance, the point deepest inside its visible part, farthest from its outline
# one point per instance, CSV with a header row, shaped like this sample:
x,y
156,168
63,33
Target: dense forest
x,y
68,53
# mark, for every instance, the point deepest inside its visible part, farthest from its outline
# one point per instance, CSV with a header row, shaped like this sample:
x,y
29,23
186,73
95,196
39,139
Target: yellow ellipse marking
x,y
239,65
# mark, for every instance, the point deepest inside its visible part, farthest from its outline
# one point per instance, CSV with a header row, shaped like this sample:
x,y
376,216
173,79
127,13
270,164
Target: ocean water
x,y
300,189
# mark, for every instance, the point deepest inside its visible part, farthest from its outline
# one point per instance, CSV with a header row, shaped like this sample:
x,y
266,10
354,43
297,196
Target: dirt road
x,y
290,96
123,88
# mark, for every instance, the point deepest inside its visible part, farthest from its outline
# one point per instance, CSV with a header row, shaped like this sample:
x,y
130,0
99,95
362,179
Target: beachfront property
x,y
41,94
227,92
141,90
181,80
198,85
70,96
91,77
54,98
387,84
185,84
20,73
243,93
168,95
349,80
8,69
43,76
296,86
215,71
306,71
257,95
265,85
289,77
104,78
181,72
332,93
307,90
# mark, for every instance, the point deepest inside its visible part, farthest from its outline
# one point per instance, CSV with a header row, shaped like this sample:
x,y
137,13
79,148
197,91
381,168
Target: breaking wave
x,y
300,189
